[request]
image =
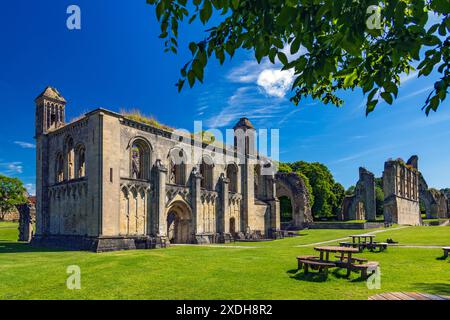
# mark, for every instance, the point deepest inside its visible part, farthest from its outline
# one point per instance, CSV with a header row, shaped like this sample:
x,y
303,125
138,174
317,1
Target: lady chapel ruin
x,y
108,182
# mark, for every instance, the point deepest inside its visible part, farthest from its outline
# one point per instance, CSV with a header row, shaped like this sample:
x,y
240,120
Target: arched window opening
x,y
140,160
59,168
206,170
80,161
257,180
232,226
286,214
232,175
177,167
70,156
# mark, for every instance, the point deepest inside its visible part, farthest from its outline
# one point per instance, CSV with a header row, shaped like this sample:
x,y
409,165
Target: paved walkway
x,y
342,239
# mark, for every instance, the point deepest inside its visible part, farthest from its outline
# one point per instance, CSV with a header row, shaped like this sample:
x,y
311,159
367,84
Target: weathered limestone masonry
x,y
434,201
362,204
27,217
401,191
292,186
106,182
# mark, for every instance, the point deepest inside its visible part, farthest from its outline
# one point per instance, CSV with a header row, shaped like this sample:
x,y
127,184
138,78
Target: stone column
x,y
160,192
223,224
196,200
274,205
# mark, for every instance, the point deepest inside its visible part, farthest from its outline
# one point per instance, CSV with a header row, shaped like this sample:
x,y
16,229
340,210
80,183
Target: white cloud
x,y
25,145
276,83
31,188
11,168
248,71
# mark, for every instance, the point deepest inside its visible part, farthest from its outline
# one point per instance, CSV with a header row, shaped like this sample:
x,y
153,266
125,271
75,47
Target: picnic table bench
x,y
446,250
345,260
315,264
365,268
364,241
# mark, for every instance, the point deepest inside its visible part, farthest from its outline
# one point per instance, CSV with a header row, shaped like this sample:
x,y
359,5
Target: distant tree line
x,y
326,195
12,193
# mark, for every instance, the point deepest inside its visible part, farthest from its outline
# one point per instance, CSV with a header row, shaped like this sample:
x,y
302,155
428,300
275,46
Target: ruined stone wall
x,y
401,190
291,185
12,215
362,204
435,201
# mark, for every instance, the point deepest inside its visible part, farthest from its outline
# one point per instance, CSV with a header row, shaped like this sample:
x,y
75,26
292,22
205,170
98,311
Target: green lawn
x,y
257,271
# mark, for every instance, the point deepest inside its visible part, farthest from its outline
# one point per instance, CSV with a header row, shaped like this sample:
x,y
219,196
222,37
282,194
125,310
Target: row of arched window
x,y
140,160
71,162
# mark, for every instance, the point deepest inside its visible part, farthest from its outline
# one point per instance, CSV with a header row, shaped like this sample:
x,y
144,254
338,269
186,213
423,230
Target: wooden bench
x,y
316,265
365,268
446,250
301,258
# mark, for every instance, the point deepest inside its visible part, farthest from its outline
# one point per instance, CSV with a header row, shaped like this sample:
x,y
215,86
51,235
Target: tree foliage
x,y
12,193
333,44
328,194
379,196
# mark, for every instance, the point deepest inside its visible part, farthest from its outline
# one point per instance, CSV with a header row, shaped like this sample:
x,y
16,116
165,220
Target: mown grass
x,y
238,271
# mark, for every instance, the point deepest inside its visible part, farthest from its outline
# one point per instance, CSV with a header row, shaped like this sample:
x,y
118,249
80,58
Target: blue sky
x,y
116,61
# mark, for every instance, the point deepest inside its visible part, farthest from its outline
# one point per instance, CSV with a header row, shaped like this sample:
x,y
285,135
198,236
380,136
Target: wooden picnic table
x,y
345,255
360,237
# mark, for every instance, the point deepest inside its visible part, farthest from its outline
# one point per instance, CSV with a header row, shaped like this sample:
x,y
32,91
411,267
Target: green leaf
x,y
295,45
191,78
206,12
387,97
282,57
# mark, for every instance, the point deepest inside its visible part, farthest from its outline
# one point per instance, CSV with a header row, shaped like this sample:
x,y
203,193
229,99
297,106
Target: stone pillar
x,y
25,222
274,223
223,223
160,192
196,199
248,194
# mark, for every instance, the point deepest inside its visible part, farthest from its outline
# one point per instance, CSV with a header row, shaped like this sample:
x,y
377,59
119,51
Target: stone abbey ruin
x,y
107,182
405,192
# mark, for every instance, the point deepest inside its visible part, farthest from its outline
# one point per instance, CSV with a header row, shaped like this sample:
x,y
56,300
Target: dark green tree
x,y
379,196
350,191
322,182
333,44
339,194
12,193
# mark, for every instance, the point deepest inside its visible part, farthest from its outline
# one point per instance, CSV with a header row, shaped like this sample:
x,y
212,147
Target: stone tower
x,y
401,191
50,115
50,111
245,143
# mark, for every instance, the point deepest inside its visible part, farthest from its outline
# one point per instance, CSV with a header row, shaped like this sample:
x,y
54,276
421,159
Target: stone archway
x,y
179,223
291,186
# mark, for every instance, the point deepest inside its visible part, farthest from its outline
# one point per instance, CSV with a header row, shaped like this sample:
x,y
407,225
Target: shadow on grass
x,y
23,247
312,276
442,258
315,276
434,288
